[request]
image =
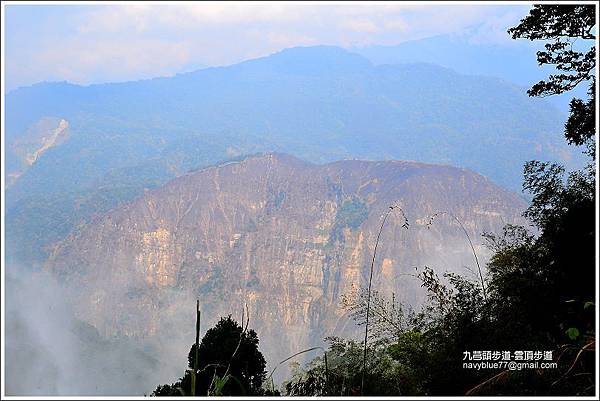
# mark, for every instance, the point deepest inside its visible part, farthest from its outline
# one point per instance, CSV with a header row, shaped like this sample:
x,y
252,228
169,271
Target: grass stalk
x,y
364,367
453,216
295,355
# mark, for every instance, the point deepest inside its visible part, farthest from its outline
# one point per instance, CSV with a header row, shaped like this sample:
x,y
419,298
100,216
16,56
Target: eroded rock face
x,y
46,133
285,237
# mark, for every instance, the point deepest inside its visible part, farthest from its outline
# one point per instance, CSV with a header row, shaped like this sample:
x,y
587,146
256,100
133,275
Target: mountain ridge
x,y
287,238
127,137
100,94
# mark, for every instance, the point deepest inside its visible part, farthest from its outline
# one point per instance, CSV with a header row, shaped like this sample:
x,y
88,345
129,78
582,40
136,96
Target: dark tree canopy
x,y
229,363
564,27
581,127
228,345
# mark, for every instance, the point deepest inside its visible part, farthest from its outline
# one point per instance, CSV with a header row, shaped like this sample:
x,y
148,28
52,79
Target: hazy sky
x,y
99,43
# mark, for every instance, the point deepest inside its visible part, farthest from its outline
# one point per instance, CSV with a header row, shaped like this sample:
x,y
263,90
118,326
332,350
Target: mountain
x,y
320,103
99,146
285,237
512,60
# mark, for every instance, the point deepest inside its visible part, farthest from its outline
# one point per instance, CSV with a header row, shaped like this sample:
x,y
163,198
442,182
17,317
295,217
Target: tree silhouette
x,y
563,25
229,363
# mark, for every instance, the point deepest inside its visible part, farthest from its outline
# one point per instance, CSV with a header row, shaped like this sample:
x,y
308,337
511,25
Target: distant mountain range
x,y
512,60
76,151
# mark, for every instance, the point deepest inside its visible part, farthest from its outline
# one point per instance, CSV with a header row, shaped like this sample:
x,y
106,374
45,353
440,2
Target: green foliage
x,y
388,319
580,128
351,214
572,333
562,24
229,363
344,372
169,390
519,314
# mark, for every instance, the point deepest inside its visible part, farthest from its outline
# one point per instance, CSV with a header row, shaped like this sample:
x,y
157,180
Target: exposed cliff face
x,y
41,136
285,237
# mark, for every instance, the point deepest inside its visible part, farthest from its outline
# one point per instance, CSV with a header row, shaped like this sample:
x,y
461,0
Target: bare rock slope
x,y
285,237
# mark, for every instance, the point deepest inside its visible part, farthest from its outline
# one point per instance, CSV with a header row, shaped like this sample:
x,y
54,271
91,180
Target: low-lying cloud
x,y
51,352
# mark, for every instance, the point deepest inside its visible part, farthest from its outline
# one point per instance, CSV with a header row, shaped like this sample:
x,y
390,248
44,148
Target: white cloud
x,y
141,18
77,60
397,24
360,25
99,43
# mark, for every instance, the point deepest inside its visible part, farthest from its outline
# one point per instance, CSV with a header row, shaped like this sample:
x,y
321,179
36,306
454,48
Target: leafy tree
x,y
388,318
343,376
229,363
562,259
563,25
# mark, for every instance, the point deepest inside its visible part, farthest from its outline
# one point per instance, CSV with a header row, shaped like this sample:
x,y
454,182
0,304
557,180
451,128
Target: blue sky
x,y
101,43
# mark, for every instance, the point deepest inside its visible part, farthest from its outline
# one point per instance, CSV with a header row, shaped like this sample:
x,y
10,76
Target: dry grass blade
x,y
453,216
245,326
295,355
492,379
586,347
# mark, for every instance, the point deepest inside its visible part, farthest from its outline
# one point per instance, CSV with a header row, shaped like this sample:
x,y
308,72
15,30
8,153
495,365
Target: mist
x,y
51,352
